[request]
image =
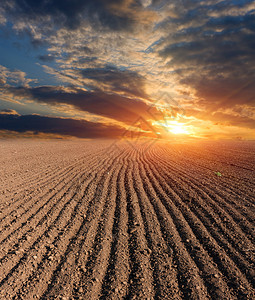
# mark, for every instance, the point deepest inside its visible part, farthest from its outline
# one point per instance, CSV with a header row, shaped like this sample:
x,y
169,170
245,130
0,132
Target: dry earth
x,y
83,220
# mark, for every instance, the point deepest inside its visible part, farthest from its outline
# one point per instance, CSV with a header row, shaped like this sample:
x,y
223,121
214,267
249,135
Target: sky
x,y
119,68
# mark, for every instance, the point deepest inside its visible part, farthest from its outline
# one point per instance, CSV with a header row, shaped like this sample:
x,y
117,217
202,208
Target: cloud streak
x,y
61,126
113,106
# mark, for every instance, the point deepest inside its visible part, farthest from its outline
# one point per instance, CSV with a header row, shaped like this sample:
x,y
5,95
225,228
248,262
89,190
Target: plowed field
x,y
96,220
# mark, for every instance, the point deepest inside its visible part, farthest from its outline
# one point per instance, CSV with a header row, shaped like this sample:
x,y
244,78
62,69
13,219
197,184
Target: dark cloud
x,y
233,120
113,106
113,14
87,59
61,126
47,57
214,54
226,119
125,81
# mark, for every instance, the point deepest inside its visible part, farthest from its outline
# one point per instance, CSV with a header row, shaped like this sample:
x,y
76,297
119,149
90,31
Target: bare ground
x,y
96,220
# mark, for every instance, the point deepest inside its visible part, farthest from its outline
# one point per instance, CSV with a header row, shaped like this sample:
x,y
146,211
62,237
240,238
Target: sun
x,y
174,127
177,128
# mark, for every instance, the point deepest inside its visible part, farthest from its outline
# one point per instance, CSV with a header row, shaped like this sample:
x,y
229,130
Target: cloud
x,y
60,126
114,79
2,17
13,77
113,106
8,112
212,52
116,15
47,57
239,117
234,120
107,78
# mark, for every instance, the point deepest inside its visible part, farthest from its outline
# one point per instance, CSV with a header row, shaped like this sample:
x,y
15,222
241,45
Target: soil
x,y
121,220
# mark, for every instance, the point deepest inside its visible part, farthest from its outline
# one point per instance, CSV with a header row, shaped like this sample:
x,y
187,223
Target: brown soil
x,y
99,220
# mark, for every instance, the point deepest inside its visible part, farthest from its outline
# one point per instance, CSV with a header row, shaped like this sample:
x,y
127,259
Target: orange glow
x,y
174,127
178,128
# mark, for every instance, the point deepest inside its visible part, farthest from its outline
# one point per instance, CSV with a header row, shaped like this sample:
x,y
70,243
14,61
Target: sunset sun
x,y
174,127
177,128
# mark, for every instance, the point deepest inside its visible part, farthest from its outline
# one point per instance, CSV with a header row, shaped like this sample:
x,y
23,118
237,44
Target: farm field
x,y
104,220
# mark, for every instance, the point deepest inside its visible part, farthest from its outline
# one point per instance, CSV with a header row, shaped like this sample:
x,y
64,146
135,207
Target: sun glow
x,y
177,128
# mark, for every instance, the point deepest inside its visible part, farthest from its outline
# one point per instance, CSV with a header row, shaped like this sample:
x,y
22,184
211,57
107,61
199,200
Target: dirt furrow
x,y
36,213
90,282
115,282
50,183
51,191
237,184
41,164
224,230
165,277
218,204
212,278
236,280
27,235
55,231
77,250
233,184
141,276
